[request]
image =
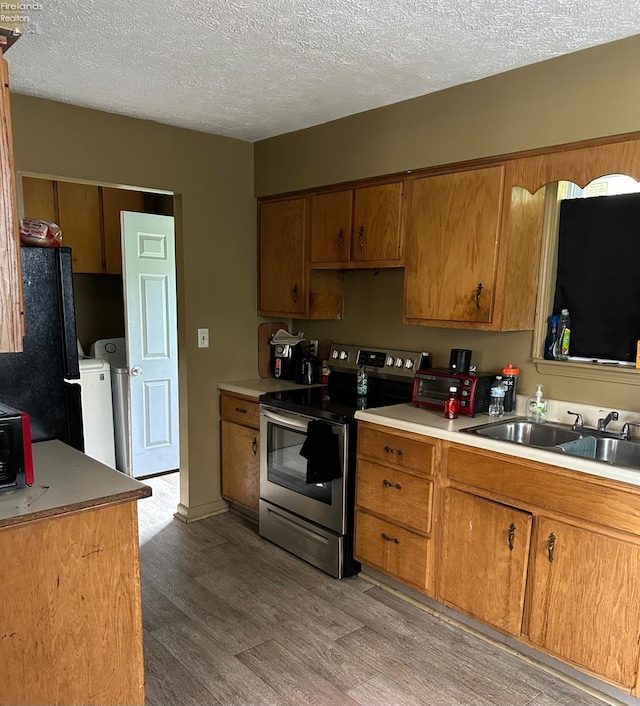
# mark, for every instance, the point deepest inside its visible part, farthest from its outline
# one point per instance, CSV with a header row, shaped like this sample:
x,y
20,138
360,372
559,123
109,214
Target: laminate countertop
x,y
66,480
408,417
254,387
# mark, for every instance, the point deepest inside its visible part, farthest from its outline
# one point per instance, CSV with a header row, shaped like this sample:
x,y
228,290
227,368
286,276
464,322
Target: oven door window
x,y
287,468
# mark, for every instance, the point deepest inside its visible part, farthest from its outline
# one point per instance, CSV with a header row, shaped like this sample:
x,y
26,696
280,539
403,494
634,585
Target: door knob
x,y
136,371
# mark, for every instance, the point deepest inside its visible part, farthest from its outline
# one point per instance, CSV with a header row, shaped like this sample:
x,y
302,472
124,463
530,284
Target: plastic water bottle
x,y
362,381
498,391
563,337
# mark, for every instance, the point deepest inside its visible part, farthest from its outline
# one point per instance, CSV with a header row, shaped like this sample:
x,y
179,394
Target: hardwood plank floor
x,y
231,619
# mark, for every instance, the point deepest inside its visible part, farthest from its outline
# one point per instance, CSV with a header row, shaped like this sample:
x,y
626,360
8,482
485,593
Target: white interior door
x,y
149,280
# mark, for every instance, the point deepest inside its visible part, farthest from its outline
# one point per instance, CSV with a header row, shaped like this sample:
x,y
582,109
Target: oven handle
x,y
285,419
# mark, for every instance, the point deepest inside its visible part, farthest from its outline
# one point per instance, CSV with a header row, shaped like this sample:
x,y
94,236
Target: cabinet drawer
x,y
399,496
401,451
240,410
389,548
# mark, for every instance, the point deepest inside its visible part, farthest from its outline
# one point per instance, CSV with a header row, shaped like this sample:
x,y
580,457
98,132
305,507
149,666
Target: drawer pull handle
x,y
241,410
361,236
389,484
512,533
389,450
341,238
254,446
551,545
479,289
386,537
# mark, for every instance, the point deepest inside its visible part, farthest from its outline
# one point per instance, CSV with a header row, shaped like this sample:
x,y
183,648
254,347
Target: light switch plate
x,y
203,338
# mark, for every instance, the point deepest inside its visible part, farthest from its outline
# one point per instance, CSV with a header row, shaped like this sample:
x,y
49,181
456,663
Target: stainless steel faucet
x,y
611,417
578,424
626,429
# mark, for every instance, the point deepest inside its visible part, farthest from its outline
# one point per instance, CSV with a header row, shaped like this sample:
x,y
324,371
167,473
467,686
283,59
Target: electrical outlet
x,y
203,338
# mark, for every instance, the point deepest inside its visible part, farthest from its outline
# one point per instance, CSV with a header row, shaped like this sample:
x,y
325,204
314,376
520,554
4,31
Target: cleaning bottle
x,y
550,340
563,336
498,391
537,406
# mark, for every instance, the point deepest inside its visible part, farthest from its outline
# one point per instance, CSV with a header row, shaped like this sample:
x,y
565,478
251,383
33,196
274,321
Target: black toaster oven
x,y
431,389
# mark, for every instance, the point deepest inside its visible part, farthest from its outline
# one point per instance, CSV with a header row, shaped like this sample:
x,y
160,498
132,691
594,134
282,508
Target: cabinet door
x,y
39,198
81,223
392,549
584,599
114,201
283,278
240,464
376,227
11,280
331,226
484,559
451,246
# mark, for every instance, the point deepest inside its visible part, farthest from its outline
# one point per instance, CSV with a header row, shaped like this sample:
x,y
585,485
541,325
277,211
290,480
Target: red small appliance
x,y
16,455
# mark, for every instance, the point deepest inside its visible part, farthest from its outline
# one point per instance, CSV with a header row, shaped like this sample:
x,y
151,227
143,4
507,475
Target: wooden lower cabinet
x,y
584,599
71,609
484,556
394,504
240,450
392,549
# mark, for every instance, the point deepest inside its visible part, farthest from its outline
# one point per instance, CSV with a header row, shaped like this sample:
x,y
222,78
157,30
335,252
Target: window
x,y
593,269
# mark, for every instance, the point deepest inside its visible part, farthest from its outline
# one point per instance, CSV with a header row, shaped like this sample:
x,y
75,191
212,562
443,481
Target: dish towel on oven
x,y
322,452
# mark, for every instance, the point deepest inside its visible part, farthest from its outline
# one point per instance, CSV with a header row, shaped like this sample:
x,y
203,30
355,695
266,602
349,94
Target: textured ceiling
x,y
256,68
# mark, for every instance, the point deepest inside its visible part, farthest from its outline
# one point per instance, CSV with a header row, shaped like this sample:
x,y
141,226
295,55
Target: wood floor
x,y
231,619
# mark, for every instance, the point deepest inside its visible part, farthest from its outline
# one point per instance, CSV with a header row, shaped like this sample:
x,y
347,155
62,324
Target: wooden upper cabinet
x,y
357,228
113,202
11,281
283,272
377,224
331,224
452,246
89,217
485,549
39,197
472,251
584,599
80,218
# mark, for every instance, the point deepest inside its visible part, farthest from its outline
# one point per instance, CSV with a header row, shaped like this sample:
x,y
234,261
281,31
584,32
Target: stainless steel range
x,y
307,453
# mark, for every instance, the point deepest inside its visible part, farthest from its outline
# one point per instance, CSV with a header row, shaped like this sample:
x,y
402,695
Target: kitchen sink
x,y
524,431
619,452
548,435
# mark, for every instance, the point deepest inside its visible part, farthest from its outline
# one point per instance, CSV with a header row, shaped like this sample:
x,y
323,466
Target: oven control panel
x,y
387,361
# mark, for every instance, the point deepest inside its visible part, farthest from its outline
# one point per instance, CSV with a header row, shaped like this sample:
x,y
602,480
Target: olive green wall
x,y
588,94
212,178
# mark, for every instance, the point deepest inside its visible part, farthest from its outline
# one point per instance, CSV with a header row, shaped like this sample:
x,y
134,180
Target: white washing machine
x,y
114,351
97,410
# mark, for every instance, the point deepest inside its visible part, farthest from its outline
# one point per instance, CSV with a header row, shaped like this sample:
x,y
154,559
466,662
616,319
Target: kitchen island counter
x,y
66,480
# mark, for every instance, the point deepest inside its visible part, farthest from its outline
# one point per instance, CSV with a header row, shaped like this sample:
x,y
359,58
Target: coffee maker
x,y
284,357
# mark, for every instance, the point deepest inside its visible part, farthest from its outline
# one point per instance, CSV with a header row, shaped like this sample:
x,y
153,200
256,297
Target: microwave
x,y
16,457
431,389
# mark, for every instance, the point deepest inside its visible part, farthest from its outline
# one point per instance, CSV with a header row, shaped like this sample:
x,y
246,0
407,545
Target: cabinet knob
x,y
361,236
512,534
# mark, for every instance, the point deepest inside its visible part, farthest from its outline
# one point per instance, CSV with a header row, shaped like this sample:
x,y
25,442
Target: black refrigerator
x,y
34,381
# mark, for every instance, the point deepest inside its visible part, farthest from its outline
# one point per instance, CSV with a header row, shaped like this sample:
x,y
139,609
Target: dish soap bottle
x,y
537,406
498,392
563,336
